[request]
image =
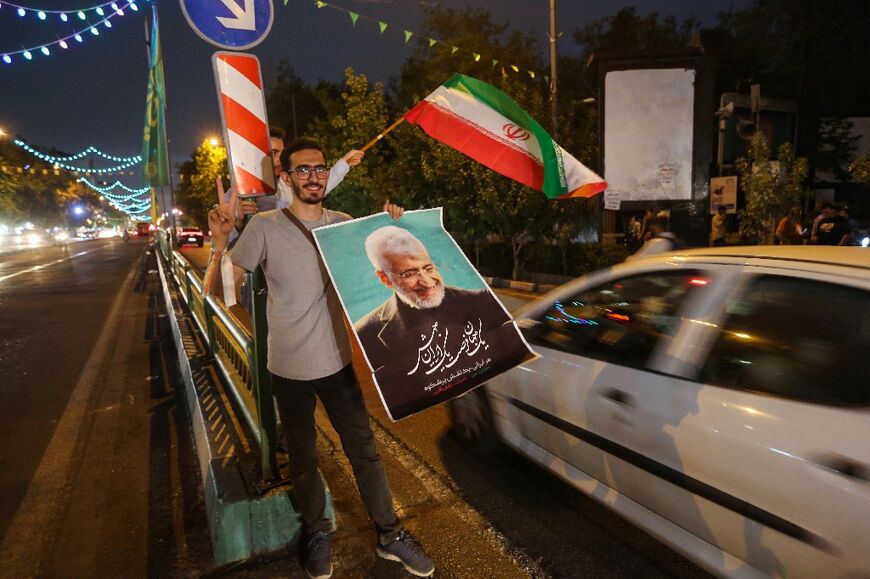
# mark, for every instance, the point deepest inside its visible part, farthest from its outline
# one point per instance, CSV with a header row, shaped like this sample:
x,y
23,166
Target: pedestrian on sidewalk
x,y
719,227
309,355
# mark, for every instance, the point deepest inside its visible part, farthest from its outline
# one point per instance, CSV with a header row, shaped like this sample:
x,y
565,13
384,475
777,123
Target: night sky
x,y
94,93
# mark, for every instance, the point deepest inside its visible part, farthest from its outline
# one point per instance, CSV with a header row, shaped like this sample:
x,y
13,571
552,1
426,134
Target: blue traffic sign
x,y
230,24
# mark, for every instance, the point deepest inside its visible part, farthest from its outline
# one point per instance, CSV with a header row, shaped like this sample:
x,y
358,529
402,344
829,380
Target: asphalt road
x,y
97,476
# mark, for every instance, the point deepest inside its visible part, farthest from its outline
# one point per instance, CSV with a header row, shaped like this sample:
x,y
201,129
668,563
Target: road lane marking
x,y
38,267
36,521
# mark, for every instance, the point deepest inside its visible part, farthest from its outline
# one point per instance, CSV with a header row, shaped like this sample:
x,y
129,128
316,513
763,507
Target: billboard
x,y
649,136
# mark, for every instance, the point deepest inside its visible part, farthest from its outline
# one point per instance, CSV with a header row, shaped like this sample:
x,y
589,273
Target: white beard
x,y
416,302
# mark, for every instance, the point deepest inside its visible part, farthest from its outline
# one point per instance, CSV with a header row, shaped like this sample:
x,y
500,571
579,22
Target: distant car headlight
x,y
32,238
61,236
865,242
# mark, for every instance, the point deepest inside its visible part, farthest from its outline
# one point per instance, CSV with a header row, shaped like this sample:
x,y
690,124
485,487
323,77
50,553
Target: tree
x,y
813,51
291,104
197,191
771,187
35,191
859,169
359,115
479,204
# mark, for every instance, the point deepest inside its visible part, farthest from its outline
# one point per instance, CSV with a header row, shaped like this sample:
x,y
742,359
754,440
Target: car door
x,y
763,452
574,403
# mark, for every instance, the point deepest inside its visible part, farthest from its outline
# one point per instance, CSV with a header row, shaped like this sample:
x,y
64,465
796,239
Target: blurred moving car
x,y
190,235
143,229
717,398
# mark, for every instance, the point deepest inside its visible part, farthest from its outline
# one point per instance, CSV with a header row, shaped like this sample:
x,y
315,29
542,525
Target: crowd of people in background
x,y
828,224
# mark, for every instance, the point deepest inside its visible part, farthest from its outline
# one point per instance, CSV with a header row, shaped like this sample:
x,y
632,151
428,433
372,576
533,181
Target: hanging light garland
x,y
59,162
107,191
95,151
105,12
125,203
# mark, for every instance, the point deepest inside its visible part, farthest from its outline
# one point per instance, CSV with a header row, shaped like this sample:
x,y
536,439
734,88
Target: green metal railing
x,y
240,354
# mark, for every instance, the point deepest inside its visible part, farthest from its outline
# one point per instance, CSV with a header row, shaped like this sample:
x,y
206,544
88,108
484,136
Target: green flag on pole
x,y
155,158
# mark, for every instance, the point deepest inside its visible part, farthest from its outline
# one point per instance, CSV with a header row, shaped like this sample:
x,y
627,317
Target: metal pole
x,y
553,83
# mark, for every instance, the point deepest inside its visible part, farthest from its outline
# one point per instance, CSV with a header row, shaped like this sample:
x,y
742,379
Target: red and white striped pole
x,y
246,127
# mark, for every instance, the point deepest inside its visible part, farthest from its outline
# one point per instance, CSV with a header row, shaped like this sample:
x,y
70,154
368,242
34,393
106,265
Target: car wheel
x,y
472,423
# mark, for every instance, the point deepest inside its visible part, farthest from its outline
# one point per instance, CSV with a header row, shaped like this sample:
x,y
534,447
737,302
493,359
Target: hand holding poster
x,y
429,326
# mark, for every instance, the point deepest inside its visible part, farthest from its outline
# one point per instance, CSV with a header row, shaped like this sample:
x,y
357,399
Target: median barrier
x,y
230,402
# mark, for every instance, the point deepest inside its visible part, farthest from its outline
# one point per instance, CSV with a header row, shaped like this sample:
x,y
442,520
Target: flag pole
x,y
382,134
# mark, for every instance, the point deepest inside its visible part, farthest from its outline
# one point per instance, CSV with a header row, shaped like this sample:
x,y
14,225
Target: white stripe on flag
x,y
483,116
247,156
237,86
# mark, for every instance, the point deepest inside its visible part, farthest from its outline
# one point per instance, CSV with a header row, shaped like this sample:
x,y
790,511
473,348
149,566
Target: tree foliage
x,y
291,104
772,186
197,191
33,190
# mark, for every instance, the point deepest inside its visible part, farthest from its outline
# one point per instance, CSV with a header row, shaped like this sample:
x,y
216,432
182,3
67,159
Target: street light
x,y
213,141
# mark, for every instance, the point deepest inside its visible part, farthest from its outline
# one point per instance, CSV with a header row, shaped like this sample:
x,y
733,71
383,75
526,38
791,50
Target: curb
x,y
526,286
242,524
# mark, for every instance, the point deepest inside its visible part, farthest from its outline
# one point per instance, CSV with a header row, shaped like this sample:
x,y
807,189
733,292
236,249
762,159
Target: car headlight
x,y
865,242
61,236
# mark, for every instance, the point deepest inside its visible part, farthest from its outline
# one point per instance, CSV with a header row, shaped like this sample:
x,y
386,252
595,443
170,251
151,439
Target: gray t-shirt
x,y
307,337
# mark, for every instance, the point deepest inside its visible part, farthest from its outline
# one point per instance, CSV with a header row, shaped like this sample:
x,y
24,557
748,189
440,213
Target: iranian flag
x,y
488,126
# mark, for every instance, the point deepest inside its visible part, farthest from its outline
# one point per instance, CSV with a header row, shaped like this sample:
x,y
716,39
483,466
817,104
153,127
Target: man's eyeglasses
x,y
304,171
416,274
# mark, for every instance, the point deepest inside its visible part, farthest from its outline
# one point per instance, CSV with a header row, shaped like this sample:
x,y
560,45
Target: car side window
x,y
619,322
795,338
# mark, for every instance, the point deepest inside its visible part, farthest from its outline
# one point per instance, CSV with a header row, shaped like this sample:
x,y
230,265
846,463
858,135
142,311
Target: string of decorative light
x,y
107,190
131,210
64,15
95,151
117,9
58,163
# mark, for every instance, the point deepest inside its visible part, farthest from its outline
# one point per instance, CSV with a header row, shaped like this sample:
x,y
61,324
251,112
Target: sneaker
x,y
318,555
406,551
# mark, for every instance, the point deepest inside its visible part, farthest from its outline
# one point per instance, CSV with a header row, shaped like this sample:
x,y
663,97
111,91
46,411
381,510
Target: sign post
x,y
246,127
228,24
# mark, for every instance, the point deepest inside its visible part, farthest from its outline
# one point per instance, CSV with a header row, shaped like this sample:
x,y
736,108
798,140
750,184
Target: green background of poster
x,y
343,247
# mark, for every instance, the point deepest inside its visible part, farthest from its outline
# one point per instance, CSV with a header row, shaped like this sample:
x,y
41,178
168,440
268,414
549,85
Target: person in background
x,y
832,228
661,240
789,230
719,227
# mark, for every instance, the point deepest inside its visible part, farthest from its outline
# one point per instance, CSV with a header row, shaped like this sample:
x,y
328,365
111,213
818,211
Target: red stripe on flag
x,y
246,65
250,185
244,123
464,136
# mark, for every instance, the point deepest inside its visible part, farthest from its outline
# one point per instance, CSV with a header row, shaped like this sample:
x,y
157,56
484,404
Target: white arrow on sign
x,y
243,18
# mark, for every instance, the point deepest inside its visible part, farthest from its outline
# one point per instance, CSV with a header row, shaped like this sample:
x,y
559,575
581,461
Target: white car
x,y
717,398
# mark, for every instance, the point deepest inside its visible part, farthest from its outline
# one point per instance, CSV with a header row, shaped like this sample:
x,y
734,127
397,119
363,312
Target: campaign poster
x,y
429,326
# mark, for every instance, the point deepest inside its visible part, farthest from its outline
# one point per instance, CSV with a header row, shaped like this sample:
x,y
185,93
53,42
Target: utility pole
x,y
553,84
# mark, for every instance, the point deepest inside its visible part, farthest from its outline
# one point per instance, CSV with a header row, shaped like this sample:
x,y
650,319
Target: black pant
x,y
341,397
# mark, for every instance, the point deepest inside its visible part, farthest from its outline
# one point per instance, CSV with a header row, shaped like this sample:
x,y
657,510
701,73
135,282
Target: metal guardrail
x,y
239,353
